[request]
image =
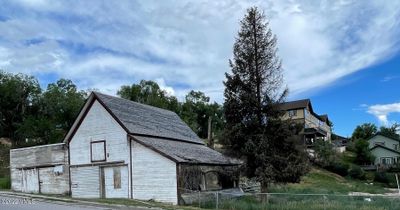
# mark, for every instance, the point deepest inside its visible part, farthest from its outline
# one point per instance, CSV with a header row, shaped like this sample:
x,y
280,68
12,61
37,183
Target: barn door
x,y
30,180
114,181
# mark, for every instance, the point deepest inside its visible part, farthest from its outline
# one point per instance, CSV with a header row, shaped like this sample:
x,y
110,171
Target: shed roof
x,y
185,152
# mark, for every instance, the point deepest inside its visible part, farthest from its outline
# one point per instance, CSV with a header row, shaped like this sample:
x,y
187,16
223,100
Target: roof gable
x,y
383,137
385,148
139,119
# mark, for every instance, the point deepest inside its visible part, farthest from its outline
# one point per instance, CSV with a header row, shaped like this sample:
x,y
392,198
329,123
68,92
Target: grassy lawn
x,y
324,182
318,181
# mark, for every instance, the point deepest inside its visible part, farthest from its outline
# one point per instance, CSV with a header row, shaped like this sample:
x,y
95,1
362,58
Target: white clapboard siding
x,y
99,125
154,176
85,182
110,191
52,182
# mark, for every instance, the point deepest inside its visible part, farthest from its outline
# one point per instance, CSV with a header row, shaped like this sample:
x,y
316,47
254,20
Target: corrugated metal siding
x,y
110,191
53,183
154,176
85,182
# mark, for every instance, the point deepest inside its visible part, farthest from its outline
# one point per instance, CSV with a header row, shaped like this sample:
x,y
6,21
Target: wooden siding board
x,y
85,182
154,176
52,183
36,156
110,190
38,160
98,125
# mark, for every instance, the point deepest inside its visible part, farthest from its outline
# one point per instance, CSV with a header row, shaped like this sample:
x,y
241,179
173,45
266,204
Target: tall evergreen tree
x,y
254,130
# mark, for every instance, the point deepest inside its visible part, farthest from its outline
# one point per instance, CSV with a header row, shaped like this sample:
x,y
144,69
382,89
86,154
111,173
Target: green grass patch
x,y
324,182
5,183
286,202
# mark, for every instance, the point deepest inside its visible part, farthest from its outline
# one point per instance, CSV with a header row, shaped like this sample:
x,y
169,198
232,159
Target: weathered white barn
x,y
40,169
117,148
123,149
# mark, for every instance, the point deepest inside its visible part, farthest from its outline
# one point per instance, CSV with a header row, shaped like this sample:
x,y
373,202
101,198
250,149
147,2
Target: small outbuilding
x,y
40,169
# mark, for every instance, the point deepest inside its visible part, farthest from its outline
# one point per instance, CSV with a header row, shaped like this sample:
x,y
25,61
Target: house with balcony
x,y
315,126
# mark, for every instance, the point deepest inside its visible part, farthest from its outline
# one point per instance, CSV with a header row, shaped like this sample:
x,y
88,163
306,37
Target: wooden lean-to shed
x,y
40,169
123,149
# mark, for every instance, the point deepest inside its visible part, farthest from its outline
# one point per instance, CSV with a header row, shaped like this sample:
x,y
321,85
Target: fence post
x,y
324,197
216,204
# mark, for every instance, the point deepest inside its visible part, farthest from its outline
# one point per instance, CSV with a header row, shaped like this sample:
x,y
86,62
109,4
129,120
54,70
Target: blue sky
x,y
343,54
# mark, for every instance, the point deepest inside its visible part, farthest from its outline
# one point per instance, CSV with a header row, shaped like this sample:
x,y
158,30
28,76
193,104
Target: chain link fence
x,y
261,201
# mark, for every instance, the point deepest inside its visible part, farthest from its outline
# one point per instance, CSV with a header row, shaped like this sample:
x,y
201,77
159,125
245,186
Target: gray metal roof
x,y
185,152
148,120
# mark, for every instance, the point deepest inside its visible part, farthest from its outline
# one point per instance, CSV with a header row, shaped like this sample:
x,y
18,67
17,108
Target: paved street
x,y
20,203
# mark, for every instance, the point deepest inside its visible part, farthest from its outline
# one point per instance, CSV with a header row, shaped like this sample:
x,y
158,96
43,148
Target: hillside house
x,y
385,149
314,126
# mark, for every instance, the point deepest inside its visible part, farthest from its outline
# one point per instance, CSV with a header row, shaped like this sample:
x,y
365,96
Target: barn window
x,y
117,178
98,150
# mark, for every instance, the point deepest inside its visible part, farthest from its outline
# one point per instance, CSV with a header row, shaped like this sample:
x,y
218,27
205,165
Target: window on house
x,y
386,161
117,178
395,146
98,150
292,113
379,143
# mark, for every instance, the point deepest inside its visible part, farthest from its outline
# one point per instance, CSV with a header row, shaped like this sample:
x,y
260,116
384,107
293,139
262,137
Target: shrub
x,y
5,183
381,177
339,168
356,172
325,154
369,176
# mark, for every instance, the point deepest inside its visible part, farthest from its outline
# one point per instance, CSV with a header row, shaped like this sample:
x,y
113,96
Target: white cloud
x,y
382,111
389,78
187,44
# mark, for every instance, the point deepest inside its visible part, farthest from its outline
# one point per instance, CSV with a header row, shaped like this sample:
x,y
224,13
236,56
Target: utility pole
x,y
209,136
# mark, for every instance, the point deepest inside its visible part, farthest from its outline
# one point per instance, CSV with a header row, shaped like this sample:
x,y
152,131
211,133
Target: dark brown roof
x,y
324,117
299,104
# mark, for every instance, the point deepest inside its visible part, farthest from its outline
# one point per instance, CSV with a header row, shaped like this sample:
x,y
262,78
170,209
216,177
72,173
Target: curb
x,y
37,196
